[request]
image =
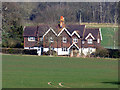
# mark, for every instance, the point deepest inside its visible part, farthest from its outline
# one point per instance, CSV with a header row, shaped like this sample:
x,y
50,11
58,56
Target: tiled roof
x,y
93,31
30,31
78,28
41,29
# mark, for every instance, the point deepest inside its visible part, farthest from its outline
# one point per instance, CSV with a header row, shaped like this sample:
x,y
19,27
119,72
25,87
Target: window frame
x,y
51,39
31,38
64,39
65,49
41,39
90,41
75,40
83,42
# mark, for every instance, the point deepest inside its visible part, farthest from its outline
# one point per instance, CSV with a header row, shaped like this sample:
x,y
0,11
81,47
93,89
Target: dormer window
x,y
75,40
51,39
98,41
90,41
64,39
31,38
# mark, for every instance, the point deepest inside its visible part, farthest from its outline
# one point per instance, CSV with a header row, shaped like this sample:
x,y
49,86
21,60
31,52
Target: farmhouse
x,y
71,39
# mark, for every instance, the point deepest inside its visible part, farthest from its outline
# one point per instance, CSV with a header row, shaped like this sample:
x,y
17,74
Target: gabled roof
x,y
93,31
89,36
63,30
79,28
75,32
73,44
42,29
71,29
50,29
30,31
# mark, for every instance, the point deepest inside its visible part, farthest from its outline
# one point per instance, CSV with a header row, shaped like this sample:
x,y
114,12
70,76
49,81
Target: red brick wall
x,y
60,42
93,45
46,42
29,43
79,40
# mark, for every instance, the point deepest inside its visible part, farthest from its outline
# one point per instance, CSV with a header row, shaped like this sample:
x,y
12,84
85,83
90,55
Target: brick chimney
x,y
62,22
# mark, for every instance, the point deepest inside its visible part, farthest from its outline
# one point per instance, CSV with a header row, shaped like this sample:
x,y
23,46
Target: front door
x,y
74,52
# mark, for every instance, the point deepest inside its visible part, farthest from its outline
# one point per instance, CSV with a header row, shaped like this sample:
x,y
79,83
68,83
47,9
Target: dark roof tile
x,y
42,29
78,28
30,31
93,31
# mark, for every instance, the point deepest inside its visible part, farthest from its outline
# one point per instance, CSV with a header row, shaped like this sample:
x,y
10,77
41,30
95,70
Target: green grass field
x,y
35,72
109,35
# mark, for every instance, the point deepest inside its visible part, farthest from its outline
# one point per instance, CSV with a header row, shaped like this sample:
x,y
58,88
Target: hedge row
x,y
110,53
18,51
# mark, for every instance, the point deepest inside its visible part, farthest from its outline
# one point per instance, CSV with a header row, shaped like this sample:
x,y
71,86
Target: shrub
x,y
114,53
18,51
101,52
51,52
12,50
31,52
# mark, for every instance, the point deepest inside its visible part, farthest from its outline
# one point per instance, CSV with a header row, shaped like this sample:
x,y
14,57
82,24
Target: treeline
x,y
16,15
89,12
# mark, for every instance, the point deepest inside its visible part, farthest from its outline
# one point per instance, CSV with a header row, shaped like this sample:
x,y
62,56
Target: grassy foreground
x,y
36,72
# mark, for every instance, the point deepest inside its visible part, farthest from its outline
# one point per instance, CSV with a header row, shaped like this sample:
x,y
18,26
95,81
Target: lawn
x,y
35,72
109,34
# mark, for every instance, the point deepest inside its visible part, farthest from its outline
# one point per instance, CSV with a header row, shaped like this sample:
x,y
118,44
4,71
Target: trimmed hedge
x,y
18,51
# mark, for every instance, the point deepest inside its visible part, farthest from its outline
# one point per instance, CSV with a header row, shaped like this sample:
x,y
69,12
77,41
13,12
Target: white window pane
x,y
90,41
64,40
64,49
51,39
31,38
75,40
83,42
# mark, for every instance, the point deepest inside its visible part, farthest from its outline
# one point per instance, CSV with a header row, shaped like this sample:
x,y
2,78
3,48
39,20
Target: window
x,y
64,49
98,40
52,48
89,49
75,40
41,39
83,42
51,39
64,39
90,41
31,38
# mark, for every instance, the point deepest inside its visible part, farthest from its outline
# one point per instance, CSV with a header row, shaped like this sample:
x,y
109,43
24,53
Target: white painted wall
x,y
36,48
86,51
60,52
45,49
26,47
39,52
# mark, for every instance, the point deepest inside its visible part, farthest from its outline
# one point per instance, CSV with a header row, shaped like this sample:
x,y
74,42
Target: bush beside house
x,y
109,53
